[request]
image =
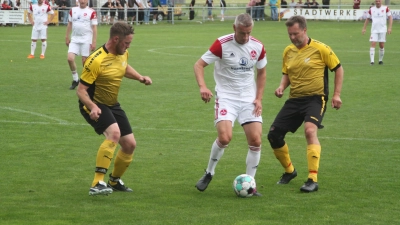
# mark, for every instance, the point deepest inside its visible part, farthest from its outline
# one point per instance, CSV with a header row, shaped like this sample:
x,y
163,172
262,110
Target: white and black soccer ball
x,y
244,185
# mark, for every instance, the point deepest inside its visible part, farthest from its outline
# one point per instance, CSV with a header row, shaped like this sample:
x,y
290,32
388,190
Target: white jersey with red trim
x,y
234,66
40,15
82,21
379,18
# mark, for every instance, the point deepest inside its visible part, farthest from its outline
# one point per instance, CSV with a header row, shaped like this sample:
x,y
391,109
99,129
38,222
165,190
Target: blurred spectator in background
x,y
292,4
260,14
222,3
274,9
5,5
155,4
104,12
120,10
314,5
53,5
356,4
250,9
209,4
325,4
64,6
191,9
307,4
299,4
283,4
146,11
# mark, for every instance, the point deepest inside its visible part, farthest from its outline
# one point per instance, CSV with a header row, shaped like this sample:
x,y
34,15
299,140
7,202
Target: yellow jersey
x,y
307,68
103,73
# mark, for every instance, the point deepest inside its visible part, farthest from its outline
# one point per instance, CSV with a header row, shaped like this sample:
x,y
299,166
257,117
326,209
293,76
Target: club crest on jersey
x,y
243,61
223,112
253,54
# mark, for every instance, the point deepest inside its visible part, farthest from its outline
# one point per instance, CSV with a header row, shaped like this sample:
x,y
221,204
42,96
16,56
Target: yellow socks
x,y
103,160
313,156
282,154
121,163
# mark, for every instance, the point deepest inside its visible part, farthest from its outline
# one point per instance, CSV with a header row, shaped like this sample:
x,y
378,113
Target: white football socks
x,y
33,48
252,160
215,156
372,54
381,54
44,46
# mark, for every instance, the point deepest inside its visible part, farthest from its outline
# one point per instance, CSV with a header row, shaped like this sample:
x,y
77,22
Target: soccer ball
x,y
244,186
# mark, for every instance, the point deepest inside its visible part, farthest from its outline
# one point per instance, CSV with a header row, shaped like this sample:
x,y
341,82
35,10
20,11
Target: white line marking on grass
x,y
65,123
60,121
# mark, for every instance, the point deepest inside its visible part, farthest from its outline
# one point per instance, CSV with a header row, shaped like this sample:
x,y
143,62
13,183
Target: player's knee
x,y
224,139
276,137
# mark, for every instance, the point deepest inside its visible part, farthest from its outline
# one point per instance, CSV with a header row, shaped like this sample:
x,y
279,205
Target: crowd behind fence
x,y
180,13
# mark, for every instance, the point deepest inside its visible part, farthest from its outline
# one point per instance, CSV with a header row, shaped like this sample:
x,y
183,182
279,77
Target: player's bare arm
x,y
336,101
94,38
69,27
389,31
260,82
83,96
282,86
205,93
131,73
365,26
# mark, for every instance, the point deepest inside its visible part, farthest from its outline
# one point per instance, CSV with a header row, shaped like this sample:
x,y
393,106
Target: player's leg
x,y
107,125
373,40
43,37
252,126
224,119
286,120
312,121
382,40
34,37
124,156
73,50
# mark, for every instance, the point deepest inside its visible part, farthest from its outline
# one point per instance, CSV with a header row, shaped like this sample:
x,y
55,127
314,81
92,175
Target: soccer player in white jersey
x,y
238,94
82,21
379,15
39,21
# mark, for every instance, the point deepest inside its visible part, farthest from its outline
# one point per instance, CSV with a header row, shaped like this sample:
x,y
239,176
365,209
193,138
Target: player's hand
x,y
389,31
146,80
363,31
95,113
279,92
92,46
67,41
336,102
257,108
206,94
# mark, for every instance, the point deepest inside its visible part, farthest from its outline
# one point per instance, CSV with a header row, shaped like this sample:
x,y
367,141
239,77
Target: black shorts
x,y
112,12
131,12
108,116
295,111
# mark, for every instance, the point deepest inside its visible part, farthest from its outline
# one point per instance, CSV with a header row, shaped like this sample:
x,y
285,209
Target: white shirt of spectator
x,y
379,18
234,67
82,21
40,15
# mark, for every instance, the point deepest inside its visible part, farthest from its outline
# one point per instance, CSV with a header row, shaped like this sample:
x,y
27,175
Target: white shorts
x,y
235,110
39,34
82,49
378,37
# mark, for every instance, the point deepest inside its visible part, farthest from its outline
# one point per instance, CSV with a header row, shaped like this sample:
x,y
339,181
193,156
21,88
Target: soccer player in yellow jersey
x,y
98,103
305,70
